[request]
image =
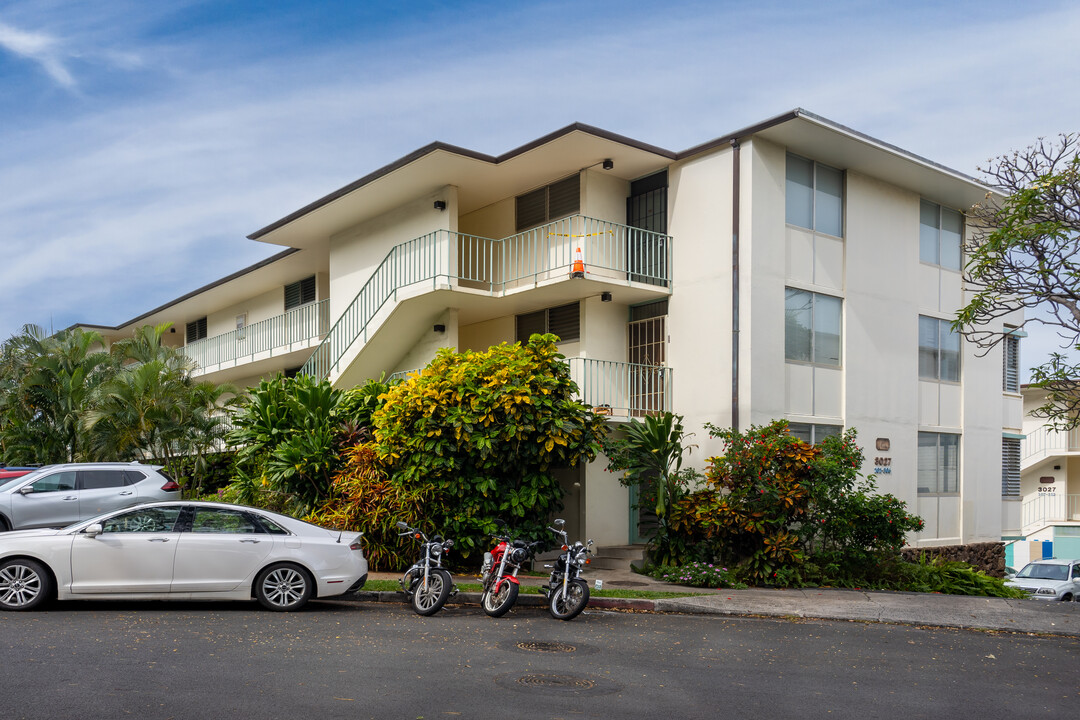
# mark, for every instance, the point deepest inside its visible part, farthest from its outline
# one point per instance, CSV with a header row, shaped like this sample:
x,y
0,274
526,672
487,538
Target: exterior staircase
x,y
618,557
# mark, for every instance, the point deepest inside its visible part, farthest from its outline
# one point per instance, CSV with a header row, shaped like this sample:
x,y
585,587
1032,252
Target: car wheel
x,y
24,584
283,587
1067,597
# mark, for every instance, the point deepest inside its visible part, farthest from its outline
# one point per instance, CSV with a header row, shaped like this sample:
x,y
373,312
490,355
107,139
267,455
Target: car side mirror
x,y
93,530
26,489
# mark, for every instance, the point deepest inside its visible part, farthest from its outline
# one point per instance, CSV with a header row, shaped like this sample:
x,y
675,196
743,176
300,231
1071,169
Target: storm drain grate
x,y
546,647
557,682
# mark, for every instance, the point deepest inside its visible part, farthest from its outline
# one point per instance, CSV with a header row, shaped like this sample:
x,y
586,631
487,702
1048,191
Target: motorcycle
x,y
566,592
498,574
427,584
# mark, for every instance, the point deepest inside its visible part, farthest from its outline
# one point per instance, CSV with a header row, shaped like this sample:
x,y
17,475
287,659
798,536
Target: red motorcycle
x,y
499,572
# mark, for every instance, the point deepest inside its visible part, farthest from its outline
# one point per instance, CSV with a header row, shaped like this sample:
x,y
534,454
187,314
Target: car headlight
x,y
1046,591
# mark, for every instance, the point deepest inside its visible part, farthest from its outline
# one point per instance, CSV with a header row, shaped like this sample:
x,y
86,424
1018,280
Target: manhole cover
x,y
557,682
545,684
626,583
546,647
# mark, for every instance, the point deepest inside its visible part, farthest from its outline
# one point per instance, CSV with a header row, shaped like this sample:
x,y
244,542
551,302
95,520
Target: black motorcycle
x,y
427,583
566,592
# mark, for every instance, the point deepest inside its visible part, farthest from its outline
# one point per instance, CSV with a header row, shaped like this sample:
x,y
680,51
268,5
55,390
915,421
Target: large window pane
x,y
928,348
927,463
827,312
928,232
798,324
950,463
951,230
950,353
829,208
800,192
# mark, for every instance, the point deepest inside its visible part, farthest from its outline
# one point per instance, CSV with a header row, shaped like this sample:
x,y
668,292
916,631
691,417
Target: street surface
x,y
379,660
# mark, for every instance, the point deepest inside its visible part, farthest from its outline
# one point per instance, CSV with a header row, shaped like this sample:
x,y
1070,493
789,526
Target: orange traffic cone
x,y
577,269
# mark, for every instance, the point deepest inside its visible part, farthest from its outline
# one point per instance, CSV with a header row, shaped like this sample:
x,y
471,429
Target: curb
x,y
471,598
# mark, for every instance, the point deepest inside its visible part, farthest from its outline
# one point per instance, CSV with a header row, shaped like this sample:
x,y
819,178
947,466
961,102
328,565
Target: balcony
x,y
1042,509
618,390
298,329
1045,443
609,253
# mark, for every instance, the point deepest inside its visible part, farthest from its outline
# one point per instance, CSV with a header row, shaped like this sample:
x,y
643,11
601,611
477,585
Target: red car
x,y
8,473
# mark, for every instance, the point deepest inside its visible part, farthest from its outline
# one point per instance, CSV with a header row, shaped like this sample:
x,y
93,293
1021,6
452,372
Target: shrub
x,y
696,574
363,497
485,430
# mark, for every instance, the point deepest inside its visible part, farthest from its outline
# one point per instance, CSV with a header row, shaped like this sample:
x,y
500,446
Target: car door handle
x,y
250,540
71,497
159,539
126,492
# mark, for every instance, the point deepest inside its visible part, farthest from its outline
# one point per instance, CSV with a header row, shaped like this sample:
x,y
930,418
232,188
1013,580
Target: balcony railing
x,y
615,389
1047,508
608,251
1046,442
292,330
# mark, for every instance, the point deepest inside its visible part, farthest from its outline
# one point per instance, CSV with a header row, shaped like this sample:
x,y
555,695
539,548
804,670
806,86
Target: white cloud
x,y
42,49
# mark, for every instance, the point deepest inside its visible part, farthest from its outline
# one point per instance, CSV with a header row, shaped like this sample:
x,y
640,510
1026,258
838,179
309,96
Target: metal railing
x,y
297,326
1046,441
548,252
616,389
1044,508
621,389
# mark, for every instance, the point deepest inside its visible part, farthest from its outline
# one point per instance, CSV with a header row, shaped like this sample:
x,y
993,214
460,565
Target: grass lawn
x,y
392,586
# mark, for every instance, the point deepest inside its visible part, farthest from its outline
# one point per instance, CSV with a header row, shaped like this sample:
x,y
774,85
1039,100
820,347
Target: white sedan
x,y
181,551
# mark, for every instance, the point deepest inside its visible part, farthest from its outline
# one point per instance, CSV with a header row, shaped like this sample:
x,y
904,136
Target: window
x,y
1010,467
940,231
812,327
1010,380
156,520
101,479
815,196
214,520
814,433
196,330
939,463
939,350
300,293
548,203
57,481
563,321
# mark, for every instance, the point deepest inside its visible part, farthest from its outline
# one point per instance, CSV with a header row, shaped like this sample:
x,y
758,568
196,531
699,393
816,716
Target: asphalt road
x,y
350,660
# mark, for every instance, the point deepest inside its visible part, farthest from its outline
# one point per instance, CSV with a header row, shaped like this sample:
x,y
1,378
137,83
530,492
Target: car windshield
x,y
11,481
1043,571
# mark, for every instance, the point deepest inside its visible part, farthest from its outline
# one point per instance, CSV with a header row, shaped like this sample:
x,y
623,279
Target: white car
x,y
181,551
1049,579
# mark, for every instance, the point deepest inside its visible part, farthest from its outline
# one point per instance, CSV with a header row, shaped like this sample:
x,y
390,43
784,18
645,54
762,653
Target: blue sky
x,y
138,139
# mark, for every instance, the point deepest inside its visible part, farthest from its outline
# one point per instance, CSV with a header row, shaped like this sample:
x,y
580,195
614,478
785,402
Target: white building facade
x,y
795,269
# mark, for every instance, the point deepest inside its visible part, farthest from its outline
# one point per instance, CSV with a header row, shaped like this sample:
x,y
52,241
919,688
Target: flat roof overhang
x,y
480,179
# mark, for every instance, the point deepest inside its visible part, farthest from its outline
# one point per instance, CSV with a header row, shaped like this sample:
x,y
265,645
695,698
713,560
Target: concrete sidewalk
x,y
955,611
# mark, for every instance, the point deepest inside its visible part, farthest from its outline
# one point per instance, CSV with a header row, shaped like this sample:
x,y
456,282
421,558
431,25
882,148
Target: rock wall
x,y
988,557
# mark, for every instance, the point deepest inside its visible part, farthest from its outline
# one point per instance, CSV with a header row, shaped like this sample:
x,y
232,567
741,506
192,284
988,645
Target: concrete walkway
x,y
955,611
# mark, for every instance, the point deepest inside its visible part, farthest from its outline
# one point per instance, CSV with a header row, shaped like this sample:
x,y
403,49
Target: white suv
x,y
1050,579
58,495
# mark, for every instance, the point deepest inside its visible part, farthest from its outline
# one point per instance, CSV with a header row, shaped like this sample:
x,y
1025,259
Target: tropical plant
x,y
364,497
486,430
649,454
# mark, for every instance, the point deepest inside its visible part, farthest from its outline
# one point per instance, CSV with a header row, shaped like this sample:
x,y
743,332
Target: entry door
x,y
646,209
133,554
647,352
223,549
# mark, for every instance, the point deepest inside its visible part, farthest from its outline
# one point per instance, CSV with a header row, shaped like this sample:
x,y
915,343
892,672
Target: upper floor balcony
x,y
618,390
599,255
1045,442
253,348
1041,509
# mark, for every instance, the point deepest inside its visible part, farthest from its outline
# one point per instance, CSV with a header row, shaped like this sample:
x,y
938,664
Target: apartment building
x,y
794,269
1043,502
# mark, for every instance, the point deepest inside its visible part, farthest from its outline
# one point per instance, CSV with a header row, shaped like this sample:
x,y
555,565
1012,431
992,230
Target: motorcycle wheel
x,y
430,601
497,604
567,604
